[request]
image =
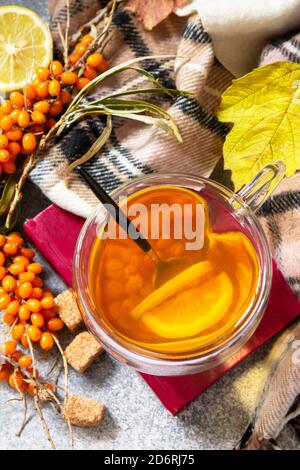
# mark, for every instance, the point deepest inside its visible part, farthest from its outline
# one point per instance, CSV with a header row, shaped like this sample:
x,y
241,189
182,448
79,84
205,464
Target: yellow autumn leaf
x,y
264,108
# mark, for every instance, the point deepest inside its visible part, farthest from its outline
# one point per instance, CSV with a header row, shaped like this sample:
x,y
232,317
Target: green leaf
x,y
7,194
264,107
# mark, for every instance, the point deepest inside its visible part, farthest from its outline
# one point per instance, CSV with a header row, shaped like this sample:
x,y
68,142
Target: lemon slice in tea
x,y
191,311
25,43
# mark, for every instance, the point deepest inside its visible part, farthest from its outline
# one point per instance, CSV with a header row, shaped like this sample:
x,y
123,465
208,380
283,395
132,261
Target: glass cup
x,y
228,211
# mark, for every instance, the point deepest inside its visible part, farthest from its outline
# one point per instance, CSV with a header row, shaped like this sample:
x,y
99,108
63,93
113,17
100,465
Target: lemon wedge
x,y
192,311
25,43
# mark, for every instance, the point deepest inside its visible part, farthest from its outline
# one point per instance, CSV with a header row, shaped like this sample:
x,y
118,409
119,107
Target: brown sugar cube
x,y
82,351
68,310
83,411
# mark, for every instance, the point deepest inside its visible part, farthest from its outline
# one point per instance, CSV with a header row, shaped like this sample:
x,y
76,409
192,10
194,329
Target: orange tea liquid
x,y
193,309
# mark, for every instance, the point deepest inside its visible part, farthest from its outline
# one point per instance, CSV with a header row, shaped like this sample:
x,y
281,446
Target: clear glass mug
x,y
236,211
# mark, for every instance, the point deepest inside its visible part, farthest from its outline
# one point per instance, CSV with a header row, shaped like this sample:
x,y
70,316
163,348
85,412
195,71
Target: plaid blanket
x,y
136,149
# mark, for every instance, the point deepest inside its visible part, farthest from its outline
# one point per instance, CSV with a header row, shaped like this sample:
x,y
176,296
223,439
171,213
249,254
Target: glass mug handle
x,y
259,189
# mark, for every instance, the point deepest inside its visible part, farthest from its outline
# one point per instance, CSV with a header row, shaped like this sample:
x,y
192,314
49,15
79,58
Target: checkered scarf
x,y
135,149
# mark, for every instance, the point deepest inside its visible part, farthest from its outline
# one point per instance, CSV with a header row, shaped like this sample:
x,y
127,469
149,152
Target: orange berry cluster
x,y
27,115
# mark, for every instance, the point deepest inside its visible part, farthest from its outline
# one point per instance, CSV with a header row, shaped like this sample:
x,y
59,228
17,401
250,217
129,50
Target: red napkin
x,y
57,246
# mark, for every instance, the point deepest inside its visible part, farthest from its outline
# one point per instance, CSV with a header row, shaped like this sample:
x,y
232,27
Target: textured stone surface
x,y
135,419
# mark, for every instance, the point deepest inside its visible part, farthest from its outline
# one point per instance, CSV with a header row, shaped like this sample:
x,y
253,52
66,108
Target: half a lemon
x,y
25,43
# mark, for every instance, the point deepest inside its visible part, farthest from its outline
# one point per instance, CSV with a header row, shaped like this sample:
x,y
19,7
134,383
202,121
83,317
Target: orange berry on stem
x,y
54,88
4,156
3,141
55,108
55,324
24,341
29,141
82,82
80,48
2,240
13,308
16,381
25,361
42,90
42,73
11,248
29,277
24,313
2,258
9,347
33,305
47,341
37,320
34,333
28,252
23,119
38,117
41,106
14,148
4,301
50,313
15,237
2,272
17,332
6,123
90,72
25,290
14,134
65,97
68,78
8,319
16,356
20,259
47,302
37,293
14,115
95,59
4,373
56,68
37,282
6,107
87,39
73,58
16,268
35,268
8,283
9,167
30,92
17,99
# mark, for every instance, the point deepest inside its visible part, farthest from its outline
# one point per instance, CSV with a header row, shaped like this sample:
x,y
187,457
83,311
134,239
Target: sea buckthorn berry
x,y
16,356
56,68
23,119
28,252
2,272
73,58
34,333
65,97
29,277
17,332
37,320
4,156
2,259
8,319
50,313
14,148
90,72
82,82
95,60
103,66
11,248
4,301
24,341
30,91
37,282
25,290
47,302
9,347
29,141
87,39
35,268
24,313
25,361
16,381
3,141
17,99
37,293
80,48
54,88
55,108
6,123
42,73
4,373
16,269
13,308
38,117
8,283
14,115
6,107
41,106
9,167
14,134
55,324
20,259
2,240
31,389
68,78
33,305
47,341
42,90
